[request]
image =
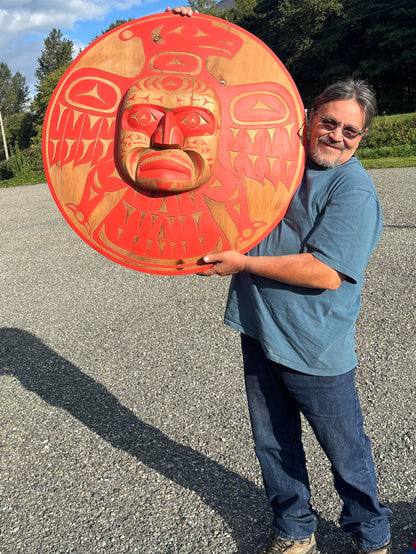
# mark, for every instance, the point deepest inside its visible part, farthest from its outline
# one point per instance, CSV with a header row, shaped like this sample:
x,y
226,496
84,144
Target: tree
x,y
57,52
209,7
323,40
54,60
375,42
290,27
112,26
388,58
14,91
20,129
238,11
42,98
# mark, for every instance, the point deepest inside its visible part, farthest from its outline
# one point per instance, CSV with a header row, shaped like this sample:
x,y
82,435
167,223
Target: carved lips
x,y
169,170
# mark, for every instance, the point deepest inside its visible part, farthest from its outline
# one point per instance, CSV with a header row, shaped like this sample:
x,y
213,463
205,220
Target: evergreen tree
x,y
209,7
112,26
57,52
41,100
14,91
14,94
323,40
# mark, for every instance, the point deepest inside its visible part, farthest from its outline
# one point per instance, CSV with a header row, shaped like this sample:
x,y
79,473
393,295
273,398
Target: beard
x,y
325,160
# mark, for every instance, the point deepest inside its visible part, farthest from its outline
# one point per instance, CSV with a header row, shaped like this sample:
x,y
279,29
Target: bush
x,y
34,157
391,136
17,159
23,167
21,161
6,171
391,130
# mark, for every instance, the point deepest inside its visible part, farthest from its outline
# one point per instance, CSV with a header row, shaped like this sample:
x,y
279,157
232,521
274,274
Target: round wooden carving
x,y
169,138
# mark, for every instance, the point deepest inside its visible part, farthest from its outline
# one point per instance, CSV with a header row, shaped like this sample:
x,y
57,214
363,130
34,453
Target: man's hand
x,y
225,263
181,10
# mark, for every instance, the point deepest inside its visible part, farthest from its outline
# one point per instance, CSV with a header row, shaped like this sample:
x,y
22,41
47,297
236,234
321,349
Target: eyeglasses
x,y
348,132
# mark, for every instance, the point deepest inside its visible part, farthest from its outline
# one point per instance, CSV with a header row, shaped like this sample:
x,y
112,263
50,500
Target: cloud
x,y
25,24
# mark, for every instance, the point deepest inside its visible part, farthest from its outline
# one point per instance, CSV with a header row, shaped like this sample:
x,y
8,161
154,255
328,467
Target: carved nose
x,y
167,134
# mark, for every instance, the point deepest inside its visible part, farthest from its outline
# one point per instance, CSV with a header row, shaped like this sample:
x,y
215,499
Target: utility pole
x,y
4,138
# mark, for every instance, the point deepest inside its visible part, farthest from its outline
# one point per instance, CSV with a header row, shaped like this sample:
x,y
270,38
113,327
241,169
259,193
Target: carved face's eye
x,y
194,121
143,119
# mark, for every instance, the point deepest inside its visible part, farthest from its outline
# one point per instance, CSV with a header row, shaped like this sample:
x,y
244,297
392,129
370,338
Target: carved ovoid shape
x,y
168,139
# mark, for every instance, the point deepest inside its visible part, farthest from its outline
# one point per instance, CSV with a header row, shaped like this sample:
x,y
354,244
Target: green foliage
x,y
380,163
13,97
111,27
209,7
6,171
24,178
17,159
19,129
390,136
323,40
22,126
395,151
57,53
242,11
23,167
391,131
14,91
388,58
41,101
34,158
297,26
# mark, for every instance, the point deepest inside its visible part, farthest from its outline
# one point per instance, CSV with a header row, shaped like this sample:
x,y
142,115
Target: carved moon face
x,y
169,133
168,139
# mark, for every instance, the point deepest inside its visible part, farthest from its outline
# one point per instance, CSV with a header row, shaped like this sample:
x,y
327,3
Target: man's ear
x,y
311,115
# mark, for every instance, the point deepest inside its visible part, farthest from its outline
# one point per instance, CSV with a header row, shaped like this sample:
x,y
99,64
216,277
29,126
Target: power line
x,y
351,19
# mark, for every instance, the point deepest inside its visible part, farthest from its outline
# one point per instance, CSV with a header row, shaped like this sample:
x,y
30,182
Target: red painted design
x,y
173,154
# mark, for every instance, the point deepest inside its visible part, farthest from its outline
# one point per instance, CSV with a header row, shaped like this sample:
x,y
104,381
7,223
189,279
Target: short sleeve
x,y
347,231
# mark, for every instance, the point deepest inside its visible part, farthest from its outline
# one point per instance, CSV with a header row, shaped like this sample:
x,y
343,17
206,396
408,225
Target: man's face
x,y
169,133
330,148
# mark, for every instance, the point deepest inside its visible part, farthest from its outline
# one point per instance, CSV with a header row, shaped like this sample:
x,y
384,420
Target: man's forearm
x,y
303,270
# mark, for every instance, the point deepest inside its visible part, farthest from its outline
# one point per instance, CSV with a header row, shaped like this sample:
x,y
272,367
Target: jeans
x,y
277,396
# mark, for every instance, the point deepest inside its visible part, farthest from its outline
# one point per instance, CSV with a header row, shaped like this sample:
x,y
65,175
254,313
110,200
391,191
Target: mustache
x,y
335,144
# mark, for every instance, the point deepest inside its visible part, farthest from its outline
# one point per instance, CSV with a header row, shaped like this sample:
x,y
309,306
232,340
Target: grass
x,y
383,163
24,178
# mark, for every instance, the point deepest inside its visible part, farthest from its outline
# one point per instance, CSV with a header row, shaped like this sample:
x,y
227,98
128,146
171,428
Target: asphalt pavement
x,y
123,420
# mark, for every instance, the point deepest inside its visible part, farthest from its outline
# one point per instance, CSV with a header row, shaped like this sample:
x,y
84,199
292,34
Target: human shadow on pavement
x,y
60,383
240,503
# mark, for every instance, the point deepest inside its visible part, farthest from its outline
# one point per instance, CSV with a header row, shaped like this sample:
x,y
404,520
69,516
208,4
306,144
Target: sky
x,y
24,24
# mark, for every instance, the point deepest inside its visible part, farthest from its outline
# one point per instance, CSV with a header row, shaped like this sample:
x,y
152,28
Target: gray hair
x,y
350,89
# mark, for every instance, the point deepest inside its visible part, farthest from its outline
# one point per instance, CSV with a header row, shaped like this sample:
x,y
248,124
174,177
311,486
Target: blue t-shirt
x,y
335,215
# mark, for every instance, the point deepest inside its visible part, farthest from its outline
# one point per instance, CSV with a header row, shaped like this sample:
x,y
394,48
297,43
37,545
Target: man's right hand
x,y
181,10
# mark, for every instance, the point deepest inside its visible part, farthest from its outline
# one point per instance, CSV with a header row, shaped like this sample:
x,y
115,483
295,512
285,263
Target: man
x,y
295,299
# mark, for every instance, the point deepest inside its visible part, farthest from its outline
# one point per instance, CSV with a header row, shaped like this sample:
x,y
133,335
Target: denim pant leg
x,y
332,407
276,427
276,396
